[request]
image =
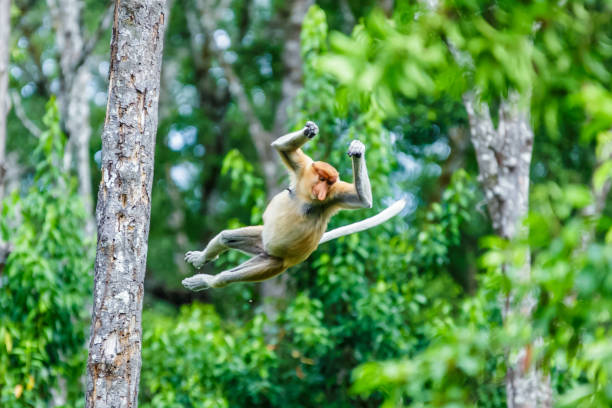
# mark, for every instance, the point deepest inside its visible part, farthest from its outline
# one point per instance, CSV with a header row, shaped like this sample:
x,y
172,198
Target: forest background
x,y
464,106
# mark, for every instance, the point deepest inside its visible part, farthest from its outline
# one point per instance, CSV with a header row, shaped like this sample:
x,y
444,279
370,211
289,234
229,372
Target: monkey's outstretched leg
x,y
258,268
247,240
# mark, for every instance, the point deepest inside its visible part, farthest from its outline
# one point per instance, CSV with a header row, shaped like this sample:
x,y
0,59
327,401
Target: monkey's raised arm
x,y
288,146
358,194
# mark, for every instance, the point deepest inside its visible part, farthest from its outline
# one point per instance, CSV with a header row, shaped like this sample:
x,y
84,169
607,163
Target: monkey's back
x,y
289,231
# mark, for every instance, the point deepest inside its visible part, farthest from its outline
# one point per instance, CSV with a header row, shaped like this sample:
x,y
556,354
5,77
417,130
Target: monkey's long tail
x,y
362,225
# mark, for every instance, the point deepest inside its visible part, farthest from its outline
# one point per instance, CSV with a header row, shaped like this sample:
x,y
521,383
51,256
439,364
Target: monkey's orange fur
x,y
288,231
294,221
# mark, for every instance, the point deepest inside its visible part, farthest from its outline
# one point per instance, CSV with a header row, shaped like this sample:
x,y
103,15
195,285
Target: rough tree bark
x,y
5,32
504,158
124,203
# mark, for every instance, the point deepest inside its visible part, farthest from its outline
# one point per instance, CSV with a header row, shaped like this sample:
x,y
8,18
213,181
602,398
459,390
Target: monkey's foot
x,y
196,258
356,149
310,129
198,282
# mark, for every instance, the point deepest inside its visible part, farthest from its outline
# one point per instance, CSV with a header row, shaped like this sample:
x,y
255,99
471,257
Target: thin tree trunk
x,y
72,97
504,158
292,64
124,203
66,16
5,32
80,131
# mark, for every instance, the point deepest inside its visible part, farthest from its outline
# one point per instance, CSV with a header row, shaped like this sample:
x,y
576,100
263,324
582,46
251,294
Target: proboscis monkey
x,y
294,221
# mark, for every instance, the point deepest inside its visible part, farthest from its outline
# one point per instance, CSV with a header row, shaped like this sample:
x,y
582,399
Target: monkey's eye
x,y
329,183
322,178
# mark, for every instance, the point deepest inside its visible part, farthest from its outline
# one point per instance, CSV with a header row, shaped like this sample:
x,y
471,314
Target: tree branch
x,y
368,223
260,137
5,250
88,48
5,44
207,25
23,117
594,210
292,63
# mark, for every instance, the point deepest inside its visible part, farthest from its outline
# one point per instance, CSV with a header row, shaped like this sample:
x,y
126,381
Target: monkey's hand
x,y
198,282
356,149
310,129
196,258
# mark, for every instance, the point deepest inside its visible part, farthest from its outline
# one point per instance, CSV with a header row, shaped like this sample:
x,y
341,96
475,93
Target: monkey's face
x,y
323,178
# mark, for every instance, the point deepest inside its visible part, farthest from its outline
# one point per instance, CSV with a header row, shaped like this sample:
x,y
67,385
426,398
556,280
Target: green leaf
x,y
602,175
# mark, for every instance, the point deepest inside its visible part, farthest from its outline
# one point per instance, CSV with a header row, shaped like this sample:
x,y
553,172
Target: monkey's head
x,y
323,177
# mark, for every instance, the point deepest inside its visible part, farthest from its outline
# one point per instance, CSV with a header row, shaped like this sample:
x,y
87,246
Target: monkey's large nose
x,y
321,191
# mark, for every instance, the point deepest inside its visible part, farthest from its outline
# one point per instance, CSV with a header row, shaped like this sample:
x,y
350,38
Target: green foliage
x,y
46,283
495,47
314,33
245,183
406,314
304,320
571,275
194,360
442,231
464,364
555,52
378,54
349,307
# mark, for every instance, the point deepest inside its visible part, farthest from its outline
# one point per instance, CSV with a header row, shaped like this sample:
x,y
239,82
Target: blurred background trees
x,y
406,314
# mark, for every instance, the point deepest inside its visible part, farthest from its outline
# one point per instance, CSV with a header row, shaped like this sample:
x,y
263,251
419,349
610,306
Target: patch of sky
x,y
48,67
438,150
16,72
186,99
100,98
103,68
230,57
183,175
178,139
28,89
222,39
55,85
412,167
259,96
265,65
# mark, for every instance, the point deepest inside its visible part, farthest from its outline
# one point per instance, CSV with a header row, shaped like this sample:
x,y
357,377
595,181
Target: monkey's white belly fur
x,y
290,234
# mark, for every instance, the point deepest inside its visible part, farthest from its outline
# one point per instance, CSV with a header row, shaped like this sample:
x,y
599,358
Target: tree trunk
x,y
292,64
80,131
504,158
66,16
124,203
5,21
72,98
